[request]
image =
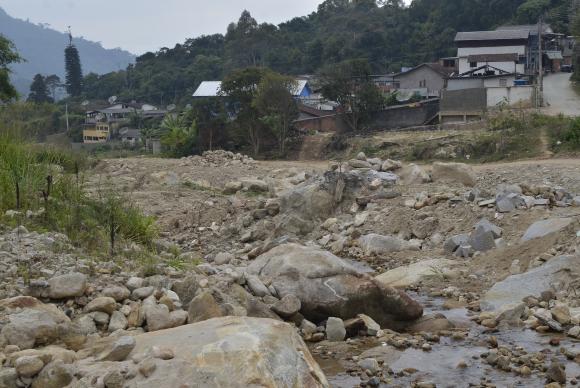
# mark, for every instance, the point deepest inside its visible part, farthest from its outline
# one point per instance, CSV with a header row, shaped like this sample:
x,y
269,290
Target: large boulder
x,y
454,172
545,227
327,286
31,323
230,351
555,275
409,275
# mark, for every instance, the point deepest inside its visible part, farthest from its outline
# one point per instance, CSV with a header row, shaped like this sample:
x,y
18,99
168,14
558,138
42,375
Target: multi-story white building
x,y
502,49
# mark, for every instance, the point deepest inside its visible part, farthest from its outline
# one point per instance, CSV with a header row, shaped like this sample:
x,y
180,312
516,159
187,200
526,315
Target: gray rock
x,y
103,304
556,373
328,286
455,242
256,286
371,326
54,375
465,251
356,163
31,323
134,282
119,350
118,293
287,306
67,286
335,330
255,185
204,307
223,258
8,378
85,324
546,227
556,273
511,313
489,227
258,352
28,366
482,239
142,293
375,244
369,364
157,317
361,156
118,321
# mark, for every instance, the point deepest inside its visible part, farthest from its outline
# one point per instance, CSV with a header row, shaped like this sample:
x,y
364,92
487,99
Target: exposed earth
x,y
308,274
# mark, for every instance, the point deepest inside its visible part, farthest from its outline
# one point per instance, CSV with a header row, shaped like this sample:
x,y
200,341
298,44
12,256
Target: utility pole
x,y
540,63
67,124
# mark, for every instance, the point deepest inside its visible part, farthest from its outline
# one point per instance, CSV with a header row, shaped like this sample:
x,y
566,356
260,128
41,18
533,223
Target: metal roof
x,y
492,35
212,88
208,89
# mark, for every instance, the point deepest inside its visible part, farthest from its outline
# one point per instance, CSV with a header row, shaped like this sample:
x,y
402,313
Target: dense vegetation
x,y
386,33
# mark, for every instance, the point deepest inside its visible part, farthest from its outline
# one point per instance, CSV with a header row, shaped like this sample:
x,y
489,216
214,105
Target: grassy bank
x,y
505,136
42,188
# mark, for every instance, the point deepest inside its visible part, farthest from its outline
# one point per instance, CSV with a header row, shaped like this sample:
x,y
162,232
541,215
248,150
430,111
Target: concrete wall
x,y
434,82
330,123
467,51
405,116
517,95
461,83
466,100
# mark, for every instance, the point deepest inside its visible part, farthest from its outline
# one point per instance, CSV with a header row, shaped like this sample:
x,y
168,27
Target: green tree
x,y
349,84
276,105
531,10
8,55
241,88
39,91
178,138
74,72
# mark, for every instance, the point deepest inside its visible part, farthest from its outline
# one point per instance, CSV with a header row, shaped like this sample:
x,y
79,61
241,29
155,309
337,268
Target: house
x,y
130,136
507,50
427,79
100,125
208,89
470,95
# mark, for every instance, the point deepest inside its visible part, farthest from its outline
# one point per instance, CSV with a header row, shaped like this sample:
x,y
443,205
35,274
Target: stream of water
x,y
440,365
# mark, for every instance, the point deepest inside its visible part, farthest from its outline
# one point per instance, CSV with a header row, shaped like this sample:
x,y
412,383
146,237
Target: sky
x,y
147,25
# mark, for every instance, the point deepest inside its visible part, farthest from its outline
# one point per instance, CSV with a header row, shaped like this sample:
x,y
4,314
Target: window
x,y
503,82
472,64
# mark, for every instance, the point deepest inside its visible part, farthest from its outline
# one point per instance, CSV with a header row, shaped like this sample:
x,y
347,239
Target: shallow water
x,y
439,366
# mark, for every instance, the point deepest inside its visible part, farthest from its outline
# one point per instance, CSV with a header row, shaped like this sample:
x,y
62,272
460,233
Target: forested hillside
x,y
43,50
386,33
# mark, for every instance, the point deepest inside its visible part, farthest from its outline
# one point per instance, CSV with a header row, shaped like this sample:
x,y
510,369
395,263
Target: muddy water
x,y
439,366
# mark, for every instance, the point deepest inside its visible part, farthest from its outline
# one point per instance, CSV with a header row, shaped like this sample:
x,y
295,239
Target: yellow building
x,y
96,133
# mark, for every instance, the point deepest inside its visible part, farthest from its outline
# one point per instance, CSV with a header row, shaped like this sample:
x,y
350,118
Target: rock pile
x,y
218,158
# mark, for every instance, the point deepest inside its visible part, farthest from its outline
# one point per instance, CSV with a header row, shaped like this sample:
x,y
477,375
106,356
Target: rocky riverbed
x,y
363,273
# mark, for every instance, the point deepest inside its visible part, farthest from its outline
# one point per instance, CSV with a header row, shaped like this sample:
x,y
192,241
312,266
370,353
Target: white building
x,y
503,49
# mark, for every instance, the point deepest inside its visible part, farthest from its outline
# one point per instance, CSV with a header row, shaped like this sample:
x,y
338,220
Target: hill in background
x,y
43,49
